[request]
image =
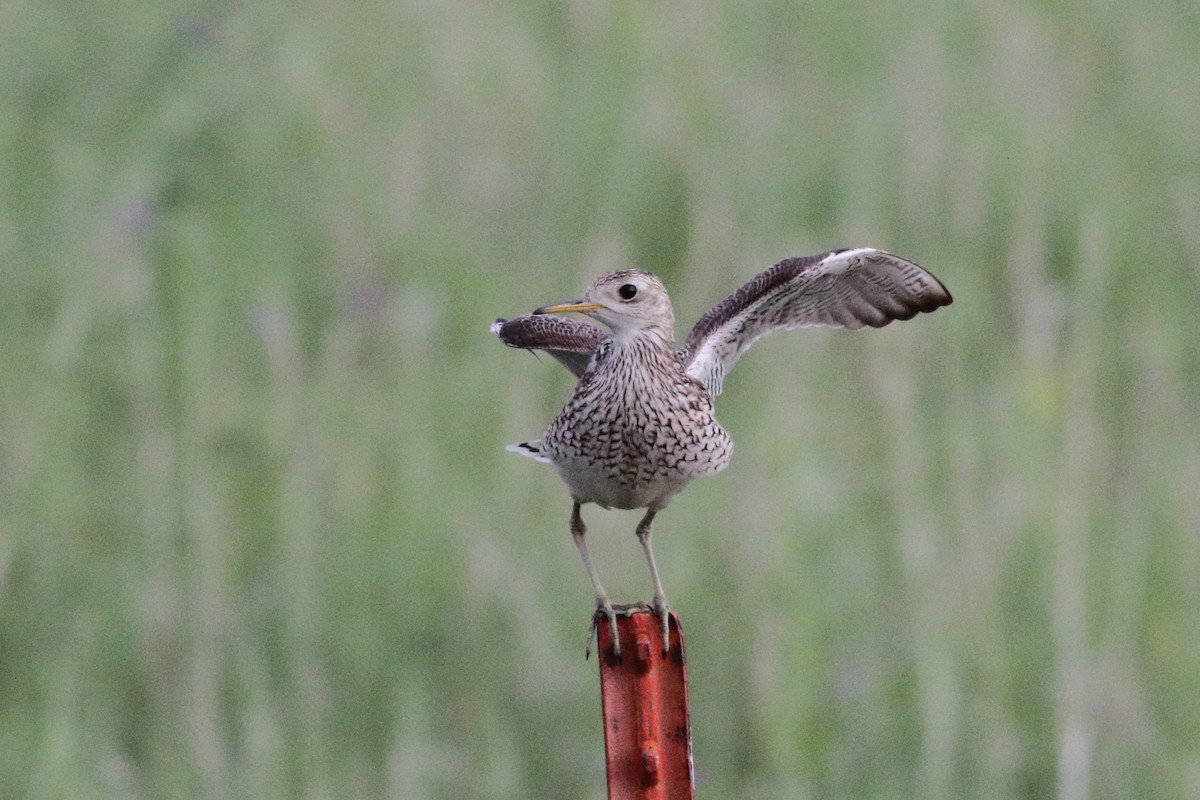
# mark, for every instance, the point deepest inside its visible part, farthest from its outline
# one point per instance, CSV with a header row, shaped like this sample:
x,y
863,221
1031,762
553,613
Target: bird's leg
x,y
660,598
602,602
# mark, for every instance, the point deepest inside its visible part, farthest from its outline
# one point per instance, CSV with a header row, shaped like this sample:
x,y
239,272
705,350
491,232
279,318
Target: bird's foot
x,y
603,608
661,607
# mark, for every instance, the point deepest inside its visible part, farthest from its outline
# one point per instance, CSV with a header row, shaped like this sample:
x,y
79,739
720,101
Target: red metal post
x,y
647,729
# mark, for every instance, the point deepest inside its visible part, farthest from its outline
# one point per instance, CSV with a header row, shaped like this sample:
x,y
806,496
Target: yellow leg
x,y
660,604
602,602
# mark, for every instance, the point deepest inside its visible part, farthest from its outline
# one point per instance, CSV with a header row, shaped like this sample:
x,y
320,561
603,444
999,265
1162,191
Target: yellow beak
x,y
563,308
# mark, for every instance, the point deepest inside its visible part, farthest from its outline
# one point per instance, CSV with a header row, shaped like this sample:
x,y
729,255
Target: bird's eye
x,y
627,292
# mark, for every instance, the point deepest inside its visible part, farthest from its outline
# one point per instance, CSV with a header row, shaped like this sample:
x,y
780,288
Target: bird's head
x,y
628,302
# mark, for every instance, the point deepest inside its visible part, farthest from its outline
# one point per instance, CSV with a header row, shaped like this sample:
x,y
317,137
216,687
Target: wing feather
x,y
841,288
570,342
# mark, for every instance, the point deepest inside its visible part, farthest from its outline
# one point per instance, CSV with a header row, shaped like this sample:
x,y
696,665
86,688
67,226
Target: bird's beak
x,y
563,308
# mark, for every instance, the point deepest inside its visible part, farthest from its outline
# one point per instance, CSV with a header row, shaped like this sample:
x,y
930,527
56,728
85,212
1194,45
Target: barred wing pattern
x,y
841,288
572,343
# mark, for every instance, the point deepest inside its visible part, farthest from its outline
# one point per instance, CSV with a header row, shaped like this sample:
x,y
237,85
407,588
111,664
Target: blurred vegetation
x,y
258,533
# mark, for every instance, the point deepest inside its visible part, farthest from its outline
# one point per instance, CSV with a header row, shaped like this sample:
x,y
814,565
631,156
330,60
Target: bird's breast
x,y
634,430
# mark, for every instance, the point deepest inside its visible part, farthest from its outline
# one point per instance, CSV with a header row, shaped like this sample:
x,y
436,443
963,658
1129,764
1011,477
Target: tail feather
x,y
532,450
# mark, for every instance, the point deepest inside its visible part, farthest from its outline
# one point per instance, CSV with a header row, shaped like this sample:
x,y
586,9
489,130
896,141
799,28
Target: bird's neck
x,y
654,336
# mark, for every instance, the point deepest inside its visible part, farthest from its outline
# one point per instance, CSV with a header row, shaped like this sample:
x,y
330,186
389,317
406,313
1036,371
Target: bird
x,y
640,425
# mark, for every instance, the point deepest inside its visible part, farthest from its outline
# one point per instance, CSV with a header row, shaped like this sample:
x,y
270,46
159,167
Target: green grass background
x,y
258,533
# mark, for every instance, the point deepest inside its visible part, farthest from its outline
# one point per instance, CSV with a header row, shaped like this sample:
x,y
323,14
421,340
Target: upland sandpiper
x,y
639,426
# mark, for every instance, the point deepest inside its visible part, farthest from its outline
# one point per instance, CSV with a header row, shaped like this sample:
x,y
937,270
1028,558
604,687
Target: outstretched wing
x,y
842,288
571,343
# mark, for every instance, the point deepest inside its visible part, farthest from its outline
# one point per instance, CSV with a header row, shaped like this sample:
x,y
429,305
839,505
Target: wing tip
x,y
917,291
933,294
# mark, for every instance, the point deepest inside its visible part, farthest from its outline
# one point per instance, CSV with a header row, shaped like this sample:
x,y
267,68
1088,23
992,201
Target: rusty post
x,y
647,729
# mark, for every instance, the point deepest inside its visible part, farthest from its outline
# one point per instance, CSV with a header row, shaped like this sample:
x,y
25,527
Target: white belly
x,y
590,483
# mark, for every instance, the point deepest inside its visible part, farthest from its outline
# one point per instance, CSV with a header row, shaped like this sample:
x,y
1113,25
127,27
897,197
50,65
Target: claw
x,y
603,607
664,613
